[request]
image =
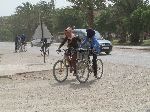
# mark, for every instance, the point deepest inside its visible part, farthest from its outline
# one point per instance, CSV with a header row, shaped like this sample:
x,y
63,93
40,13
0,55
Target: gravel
x,y
123,88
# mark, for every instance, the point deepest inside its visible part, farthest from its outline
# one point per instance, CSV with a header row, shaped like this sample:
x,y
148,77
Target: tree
x,y
106,21
67,17
123,12
139,23
26,18
5,29
88,6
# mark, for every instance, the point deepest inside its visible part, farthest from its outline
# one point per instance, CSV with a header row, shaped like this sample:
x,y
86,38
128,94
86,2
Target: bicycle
x,y
45,50
21,47
85,65
61,68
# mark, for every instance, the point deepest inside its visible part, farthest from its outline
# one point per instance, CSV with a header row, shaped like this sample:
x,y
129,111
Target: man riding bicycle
x,y
23,39
17,40
72,43
91,41
45,44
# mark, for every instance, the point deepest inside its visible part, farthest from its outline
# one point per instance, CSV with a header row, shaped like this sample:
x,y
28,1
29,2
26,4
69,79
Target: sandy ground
x,y
121,89
124,87
32,60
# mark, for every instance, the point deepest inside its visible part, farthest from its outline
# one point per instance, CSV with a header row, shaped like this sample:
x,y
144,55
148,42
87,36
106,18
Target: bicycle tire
x,y
44,54
99,69
82,65
20,48
47,52
62,67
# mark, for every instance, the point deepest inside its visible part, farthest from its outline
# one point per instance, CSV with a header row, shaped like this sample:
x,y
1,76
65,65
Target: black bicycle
x,y
85,65
45,50
21,46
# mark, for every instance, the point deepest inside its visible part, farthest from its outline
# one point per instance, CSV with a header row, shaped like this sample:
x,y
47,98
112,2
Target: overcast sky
x,y
7,7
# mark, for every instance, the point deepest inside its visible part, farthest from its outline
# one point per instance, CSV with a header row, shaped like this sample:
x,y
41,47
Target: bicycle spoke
x,y
82,71
60,71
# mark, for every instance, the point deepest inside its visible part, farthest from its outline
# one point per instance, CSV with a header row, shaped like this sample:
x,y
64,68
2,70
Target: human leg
x,y
94,61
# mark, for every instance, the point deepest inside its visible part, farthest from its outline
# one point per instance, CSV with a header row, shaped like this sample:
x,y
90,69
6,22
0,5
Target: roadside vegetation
x,y
125,22
127,43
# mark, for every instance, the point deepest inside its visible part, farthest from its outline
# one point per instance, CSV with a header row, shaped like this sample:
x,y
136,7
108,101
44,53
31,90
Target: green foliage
x,y
67,17
123,17
88,7
5,29
139,23
105,22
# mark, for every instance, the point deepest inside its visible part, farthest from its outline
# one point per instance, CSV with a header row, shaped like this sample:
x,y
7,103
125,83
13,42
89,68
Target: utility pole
x,y
41,23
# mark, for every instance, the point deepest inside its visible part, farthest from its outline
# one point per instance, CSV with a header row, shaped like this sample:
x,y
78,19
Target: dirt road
x,y
123,88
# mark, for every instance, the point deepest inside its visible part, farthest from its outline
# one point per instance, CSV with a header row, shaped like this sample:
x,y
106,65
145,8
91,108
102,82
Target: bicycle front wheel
x,y
99,69
82,71
60,71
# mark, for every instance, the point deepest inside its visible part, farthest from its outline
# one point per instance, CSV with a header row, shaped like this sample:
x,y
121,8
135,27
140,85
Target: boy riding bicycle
x,y
72,44
93,44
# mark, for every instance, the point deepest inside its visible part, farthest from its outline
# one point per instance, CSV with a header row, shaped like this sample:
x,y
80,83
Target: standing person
x,y
72,43
93,44
17,40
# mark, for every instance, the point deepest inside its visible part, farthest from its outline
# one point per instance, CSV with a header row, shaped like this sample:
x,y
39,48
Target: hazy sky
x,y
7,7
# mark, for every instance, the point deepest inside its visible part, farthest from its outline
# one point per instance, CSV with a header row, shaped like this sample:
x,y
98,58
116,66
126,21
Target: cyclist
x,y
23,39
93,44
72,43
44,41
17,40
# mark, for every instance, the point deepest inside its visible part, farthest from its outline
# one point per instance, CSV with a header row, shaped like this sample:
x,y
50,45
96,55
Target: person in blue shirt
x,y
91,42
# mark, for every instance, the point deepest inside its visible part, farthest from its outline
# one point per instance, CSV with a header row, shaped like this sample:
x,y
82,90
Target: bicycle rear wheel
x,y
60,71
99,69
24,48
82,71
47,52
20,48
44,54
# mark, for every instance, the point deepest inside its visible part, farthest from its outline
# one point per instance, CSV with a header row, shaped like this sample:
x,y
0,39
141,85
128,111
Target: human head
x,y
68,32
90,33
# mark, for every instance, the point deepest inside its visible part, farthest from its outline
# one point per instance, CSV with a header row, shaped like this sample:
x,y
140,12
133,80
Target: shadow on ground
x,y
74,84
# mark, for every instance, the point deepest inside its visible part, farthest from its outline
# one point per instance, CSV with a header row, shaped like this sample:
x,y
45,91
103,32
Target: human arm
x,y
96,45
63,42
78,39
84,41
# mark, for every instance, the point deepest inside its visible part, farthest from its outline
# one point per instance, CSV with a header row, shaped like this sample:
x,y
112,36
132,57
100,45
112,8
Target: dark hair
x,y
90,33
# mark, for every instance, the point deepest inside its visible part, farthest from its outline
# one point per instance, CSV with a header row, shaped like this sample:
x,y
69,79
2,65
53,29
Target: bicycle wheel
x,y
82,71
47,52
60,71
99,69
20,48
24,48
44,54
